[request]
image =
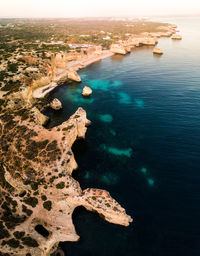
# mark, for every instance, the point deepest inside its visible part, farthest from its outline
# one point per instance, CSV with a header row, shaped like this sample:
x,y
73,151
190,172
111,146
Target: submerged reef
x,y
37,192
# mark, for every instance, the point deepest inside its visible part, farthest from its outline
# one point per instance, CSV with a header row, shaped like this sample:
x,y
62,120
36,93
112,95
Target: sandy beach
x,y
75,65
79,64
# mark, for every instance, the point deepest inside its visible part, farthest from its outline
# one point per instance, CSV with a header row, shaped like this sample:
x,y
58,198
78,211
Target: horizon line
x,y
95,17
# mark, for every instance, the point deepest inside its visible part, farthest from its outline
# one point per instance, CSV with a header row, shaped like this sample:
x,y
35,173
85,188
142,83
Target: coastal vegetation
x,y
27,45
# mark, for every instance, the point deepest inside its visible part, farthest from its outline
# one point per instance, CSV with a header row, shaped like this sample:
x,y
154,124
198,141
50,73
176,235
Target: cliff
x,y
36,184
118,49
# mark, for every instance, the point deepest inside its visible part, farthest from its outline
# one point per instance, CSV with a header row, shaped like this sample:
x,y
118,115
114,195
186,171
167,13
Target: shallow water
x,y
143,147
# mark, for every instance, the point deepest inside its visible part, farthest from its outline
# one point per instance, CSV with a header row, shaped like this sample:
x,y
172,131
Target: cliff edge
x,y
37,191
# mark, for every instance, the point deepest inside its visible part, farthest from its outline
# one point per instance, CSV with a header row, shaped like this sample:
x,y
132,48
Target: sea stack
x,y
56,104
87,91
177,37
157,51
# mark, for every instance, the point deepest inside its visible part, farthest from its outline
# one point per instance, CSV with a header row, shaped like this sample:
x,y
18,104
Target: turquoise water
x,y
143,147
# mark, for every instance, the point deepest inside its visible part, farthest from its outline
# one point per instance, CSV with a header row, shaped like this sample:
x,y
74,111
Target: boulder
x,y
87,91
157,51
56,104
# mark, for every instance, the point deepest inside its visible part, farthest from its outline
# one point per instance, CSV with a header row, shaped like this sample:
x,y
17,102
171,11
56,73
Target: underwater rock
x,y
118,151
107,118
143,170
104,85
150,182
139,103
110,178
124,98
113,132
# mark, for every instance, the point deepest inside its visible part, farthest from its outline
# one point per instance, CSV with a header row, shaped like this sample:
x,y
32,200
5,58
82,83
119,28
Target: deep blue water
x,y
143,147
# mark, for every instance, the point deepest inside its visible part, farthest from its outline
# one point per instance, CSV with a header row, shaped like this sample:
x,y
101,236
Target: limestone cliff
x,y
36,184
118,49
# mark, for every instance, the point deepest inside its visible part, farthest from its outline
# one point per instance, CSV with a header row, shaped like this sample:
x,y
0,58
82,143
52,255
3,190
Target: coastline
x,y
41,92
122,48
60,138
80,64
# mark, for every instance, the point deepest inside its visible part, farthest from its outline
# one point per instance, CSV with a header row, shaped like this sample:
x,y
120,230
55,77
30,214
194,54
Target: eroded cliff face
x,y
36,186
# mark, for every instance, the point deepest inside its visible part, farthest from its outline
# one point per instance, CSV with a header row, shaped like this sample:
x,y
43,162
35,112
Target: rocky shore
x,y
69,69
36,185
37,190
69,73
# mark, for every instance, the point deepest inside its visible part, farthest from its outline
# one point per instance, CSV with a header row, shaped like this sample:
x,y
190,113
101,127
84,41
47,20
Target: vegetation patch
x,y
47,205
44,198
19,235
60,185
29,241
68,127
13,243
32,201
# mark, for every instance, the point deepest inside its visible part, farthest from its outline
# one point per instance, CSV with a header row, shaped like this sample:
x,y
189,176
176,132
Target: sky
x,y
96,8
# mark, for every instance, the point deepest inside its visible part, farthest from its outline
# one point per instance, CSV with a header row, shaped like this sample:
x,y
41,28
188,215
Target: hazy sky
x,y
88,8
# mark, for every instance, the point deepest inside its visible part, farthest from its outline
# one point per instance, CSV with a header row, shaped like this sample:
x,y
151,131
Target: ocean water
x,y
143,147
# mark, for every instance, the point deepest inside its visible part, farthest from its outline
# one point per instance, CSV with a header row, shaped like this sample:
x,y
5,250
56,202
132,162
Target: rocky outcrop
x,y
100,201
38,117
148,41
56,104
177,37
37,188
157,51
87,91
73,75
118,49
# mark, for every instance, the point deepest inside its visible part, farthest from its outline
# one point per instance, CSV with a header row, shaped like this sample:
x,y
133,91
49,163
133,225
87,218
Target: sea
x,y
143,147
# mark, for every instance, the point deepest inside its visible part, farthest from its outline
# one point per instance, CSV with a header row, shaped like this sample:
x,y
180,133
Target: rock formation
x,y
73,75
37,191
148,41
87,91
118,49
177,37
56,104
157,51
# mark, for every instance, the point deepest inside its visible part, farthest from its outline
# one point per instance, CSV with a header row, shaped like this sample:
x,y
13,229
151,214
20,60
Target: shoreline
x,y
80,64
75,66
122,48
54,153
